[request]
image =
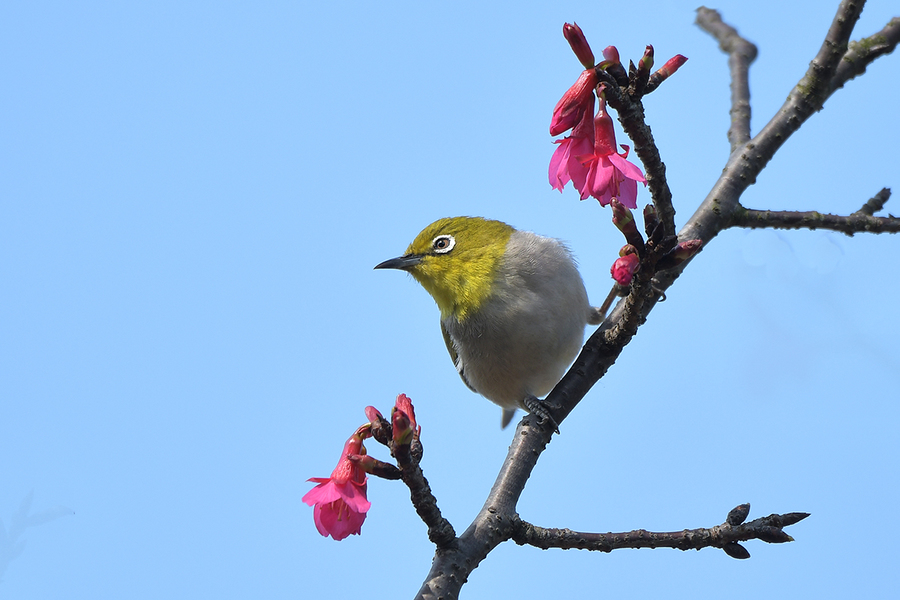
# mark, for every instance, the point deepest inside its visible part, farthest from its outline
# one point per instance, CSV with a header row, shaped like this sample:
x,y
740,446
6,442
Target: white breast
x,y
530,329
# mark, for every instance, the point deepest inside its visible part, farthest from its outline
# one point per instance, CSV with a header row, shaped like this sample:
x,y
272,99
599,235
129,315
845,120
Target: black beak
x,y
401,262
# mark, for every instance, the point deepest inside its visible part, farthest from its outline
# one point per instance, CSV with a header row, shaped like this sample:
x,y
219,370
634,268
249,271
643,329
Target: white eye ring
x,y
443,244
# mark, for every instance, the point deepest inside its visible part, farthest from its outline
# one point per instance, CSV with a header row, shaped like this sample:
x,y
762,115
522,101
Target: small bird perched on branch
x,y
513,306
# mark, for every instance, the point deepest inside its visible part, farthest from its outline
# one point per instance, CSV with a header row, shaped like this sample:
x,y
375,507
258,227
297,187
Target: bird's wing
x,y
456,361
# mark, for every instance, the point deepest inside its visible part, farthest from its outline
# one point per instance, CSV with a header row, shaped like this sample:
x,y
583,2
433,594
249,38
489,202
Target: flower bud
x,y
612,65
626,265
623,219
672,65
405,404
646,62
687,249
373,415
651,220
611,55
738,515
579,44
680,253
375,467
402,427
735,550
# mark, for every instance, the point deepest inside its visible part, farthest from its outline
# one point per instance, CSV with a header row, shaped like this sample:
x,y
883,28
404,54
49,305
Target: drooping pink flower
x,y
607,173
339,501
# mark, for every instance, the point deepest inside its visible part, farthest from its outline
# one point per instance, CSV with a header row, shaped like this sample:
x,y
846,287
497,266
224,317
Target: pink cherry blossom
x,y
566,162
589,157
339,501
608,174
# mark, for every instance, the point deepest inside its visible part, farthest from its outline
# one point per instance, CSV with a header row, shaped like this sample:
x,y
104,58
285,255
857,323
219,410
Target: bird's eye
x,y
443,244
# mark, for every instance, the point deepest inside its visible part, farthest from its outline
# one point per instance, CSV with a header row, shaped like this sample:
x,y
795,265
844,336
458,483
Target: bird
x,y
513,306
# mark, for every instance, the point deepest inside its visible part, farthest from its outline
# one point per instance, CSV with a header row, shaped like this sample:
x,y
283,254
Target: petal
x,y
628,169
583,176
628,193
335,519
323,493
355,496
558,174
604,176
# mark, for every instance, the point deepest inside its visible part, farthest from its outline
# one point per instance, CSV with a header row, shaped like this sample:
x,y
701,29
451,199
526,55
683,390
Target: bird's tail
x,y
596,314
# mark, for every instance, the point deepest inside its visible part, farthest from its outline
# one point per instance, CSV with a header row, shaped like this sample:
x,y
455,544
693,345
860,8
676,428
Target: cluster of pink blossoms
x,y
589,157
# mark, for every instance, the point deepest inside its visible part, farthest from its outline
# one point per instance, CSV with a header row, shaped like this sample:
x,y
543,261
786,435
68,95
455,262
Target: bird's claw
x,y
537,408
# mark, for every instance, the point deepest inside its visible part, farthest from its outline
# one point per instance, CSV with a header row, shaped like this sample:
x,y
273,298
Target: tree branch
x,y
861,221
718,209
440,531
726,536
861,53
408,455
630,112
741,53
875,203
497,521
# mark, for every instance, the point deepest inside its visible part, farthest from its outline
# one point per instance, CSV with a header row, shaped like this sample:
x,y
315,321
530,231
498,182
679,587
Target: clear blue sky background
x,y
194,196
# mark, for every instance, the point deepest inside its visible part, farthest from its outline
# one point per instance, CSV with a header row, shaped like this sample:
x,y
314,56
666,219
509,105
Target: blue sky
x,y
195,195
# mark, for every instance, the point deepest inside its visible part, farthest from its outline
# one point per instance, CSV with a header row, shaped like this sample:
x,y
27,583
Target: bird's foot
x,y
539,409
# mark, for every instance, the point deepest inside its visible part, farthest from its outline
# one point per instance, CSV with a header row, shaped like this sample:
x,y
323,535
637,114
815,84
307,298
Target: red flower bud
x,y
680,253
672,65
579,44
646,62
623,219
401,427
626,265
373,415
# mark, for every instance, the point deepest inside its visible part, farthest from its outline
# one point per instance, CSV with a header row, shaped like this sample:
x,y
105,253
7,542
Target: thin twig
x,y
408,455
630,113
440,531
855,223
768,529
862,52
741,53
875,203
